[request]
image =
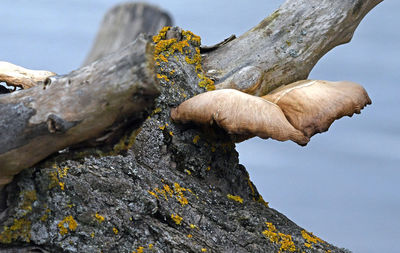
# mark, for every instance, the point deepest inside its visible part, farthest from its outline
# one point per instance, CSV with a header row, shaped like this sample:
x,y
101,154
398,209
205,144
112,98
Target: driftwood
x,y
165,187
66,110
286,45
123,24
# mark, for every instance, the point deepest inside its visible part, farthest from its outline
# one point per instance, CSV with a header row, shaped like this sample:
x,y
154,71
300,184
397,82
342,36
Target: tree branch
x,y
122,24
285,46
66,110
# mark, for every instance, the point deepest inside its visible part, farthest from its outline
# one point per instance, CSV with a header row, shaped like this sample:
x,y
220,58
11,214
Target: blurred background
x,y
344,186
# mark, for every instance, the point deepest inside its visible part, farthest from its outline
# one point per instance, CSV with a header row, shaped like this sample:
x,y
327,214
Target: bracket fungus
x,y
293,112
21,77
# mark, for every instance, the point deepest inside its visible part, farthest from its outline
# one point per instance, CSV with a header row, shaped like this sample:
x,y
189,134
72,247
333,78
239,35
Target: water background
x,y
344,186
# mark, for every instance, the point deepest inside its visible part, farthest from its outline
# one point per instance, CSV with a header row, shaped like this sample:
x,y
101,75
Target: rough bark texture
x,y
165,187
286,45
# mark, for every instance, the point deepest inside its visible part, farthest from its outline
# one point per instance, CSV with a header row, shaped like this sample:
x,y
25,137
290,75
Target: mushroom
x,y
239,114
18,76
311,106
293,112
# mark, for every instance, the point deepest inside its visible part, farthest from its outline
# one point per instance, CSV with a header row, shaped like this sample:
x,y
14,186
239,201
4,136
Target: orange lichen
x,y
153,193
179,194
68,223
285,241
165,48
115,230
56,176
189,236
310,238
176,218
99,218
235,198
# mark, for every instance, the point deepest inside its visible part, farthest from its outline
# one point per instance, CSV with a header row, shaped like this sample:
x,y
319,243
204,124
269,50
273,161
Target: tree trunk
x,y
163,187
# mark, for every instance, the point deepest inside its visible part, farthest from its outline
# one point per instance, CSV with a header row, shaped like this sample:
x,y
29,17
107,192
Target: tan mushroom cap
x,y
15,75
311,106
239,114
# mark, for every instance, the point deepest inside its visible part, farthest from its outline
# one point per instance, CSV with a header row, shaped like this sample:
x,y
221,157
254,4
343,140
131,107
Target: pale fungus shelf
x,y
293,112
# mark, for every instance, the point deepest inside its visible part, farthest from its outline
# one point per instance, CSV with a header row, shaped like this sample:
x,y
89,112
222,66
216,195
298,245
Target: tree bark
x,y
164,187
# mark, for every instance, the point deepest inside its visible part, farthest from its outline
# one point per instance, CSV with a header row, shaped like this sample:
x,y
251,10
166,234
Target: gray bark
x,y
165,187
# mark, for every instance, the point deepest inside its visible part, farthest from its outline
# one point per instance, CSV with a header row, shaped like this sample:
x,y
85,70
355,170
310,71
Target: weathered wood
x,y
21,77
82,105
177,188
285,46
122,24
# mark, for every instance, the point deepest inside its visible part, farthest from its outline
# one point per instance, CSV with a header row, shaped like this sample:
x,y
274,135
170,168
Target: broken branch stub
x,y
88,103
21,77
122,24
284,47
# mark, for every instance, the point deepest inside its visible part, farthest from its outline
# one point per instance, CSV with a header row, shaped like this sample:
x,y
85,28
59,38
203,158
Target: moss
x,y
176,218
68,223
235,198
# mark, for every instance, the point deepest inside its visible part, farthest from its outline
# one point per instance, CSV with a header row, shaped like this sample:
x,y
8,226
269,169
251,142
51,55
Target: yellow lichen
x,y
188,172
45,215
153,193
179,194
203,250
20,229
165,48
285,241
126,142
235,198
176,218
196,139
262,201
92,234
192,226
150,246
310,238
115,230
140,249
171,133
99,218
189,236
68,223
